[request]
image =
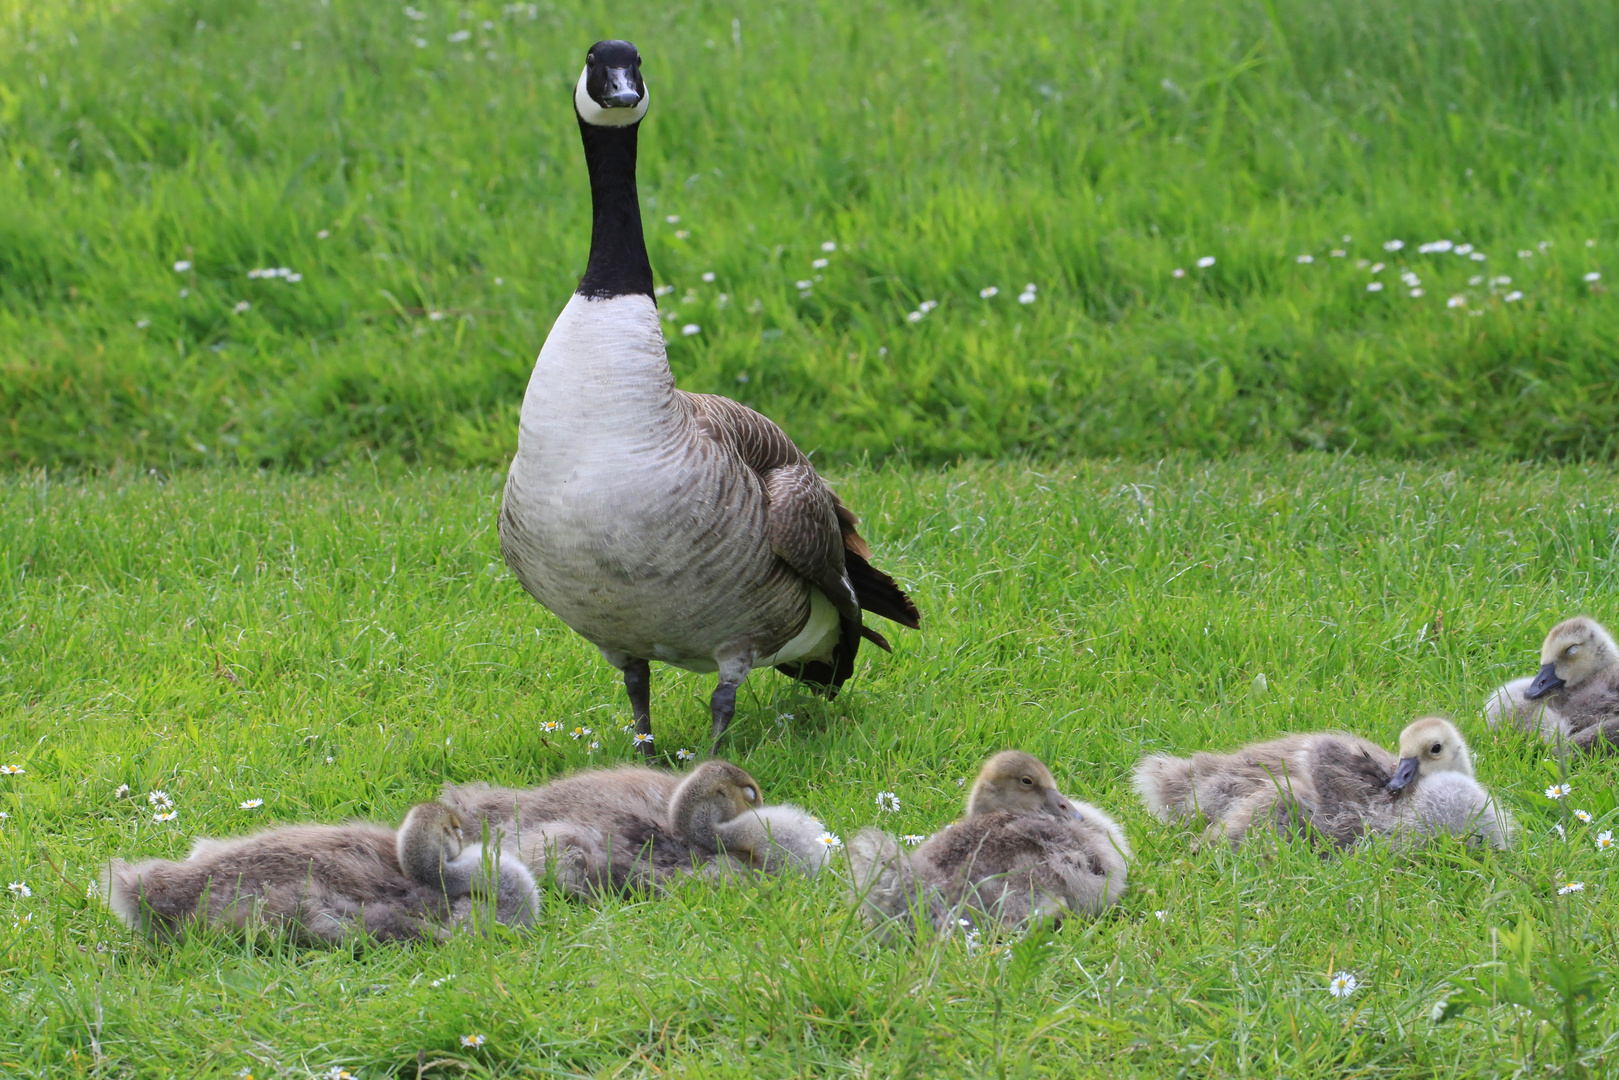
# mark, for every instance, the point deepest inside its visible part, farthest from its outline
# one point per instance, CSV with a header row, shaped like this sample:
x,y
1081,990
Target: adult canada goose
x,y
661,524
324,882
1341,786
1575,695
633,829
1023,850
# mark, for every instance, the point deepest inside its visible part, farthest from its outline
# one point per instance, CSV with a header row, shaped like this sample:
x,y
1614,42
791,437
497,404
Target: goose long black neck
x,y
618,261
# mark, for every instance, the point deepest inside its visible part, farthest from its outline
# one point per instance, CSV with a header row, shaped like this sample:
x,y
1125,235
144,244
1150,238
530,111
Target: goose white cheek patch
x,y
593,113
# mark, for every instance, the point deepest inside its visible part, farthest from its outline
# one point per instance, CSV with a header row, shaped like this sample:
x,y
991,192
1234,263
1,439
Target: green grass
x,y
1088,147
1088,612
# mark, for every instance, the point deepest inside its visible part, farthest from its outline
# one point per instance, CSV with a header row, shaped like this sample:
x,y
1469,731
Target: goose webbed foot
x,y
638,685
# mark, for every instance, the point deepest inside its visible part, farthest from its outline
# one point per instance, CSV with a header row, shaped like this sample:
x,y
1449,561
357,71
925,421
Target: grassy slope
x,y
369,620
1087,147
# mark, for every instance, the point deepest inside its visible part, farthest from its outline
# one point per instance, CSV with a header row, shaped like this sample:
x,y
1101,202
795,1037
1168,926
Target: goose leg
x,y
722,706
638,685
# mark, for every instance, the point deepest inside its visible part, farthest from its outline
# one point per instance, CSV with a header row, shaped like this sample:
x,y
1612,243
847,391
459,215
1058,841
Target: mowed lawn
x,y
338,646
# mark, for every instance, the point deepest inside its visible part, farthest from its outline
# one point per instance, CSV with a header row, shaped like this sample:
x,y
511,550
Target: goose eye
x,y
590,58
1435,749
1025,781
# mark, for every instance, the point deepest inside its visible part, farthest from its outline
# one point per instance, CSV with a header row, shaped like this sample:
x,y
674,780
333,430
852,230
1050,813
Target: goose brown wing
x,y
810,528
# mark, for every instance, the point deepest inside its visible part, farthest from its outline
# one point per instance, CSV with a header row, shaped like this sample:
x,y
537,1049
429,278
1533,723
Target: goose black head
x,y
610,92
1575,650
1427,746
1020,783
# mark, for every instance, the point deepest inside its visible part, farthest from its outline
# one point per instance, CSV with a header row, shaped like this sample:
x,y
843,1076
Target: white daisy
x,y
708,275
926,306
593,747
12,770
1525,253
831,840
1393,245
643,738
142,324
1375,286
323,234
915,316
1604,841
1342,985
472,1041
1583,815
580,732
803,284
1411,279
1377,268
250,804
1416,292
1338,253
1205,262
1570,887
829,245
20,888
821,264
888,801
1513,297
551,725
912,839
182,266
169,815
988,291
1478,256
242,307
684,755
120,791
1179,271
159,799
1305,259
673,219
1593,276
1558,791
1464,249
682,234
1025,298
1456,302
1160,915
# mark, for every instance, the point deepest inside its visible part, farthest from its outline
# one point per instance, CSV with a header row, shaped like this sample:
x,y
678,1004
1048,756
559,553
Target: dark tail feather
x,y
878,594
825,676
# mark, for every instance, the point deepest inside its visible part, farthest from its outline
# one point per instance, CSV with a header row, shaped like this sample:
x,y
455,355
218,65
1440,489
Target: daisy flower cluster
x,y
163,808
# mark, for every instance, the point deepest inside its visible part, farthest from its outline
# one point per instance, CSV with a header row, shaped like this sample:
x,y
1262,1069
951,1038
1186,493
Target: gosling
x,y
1575,695
324,884
632,829
1023,852
1339,787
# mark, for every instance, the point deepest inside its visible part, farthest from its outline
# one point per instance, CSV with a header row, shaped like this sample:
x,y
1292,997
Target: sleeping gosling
x,y
1575,695
1336,786
322,884
636,829
1023,851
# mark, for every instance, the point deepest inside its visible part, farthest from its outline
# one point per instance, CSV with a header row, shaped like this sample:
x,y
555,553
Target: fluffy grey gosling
x,y
1023,851
661,524
1575,695
1342,787
637,829
320,883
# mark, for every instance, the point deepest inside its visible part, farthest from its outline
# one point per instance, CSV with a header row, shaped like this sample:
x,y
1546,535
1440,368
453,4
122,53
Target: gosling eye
x,y
1026,781
1571,650
1435,749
